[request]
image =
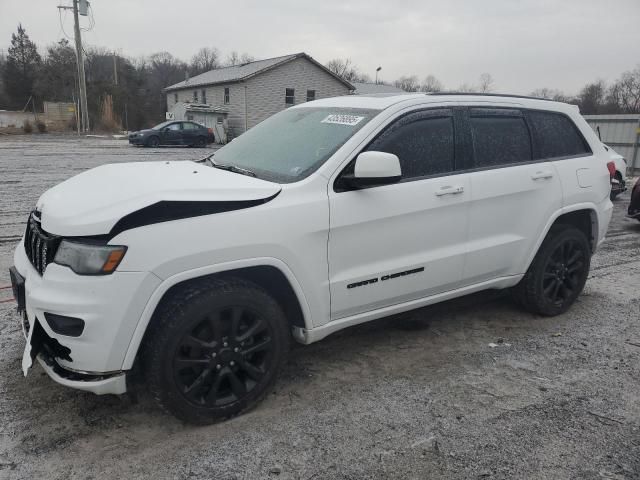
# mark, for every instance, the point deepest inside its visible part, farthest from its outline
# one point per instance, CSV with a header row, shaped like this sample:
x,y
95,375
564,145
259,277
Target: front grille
x,y
39,246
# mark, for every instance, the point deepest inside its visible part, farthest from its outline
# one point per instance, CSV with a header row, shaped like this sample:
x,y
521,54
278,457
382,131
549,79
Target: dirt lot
x,y
418,396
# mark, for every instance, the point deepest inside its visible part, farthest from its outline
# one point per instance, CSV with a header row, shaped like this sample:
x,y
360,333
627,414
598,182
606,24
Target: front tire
x,y
153,142
216,349
557,274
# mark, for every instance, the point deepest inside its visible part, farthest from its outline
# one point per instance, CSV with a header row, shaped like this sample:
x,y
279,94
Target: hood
x,y
143,131
92,202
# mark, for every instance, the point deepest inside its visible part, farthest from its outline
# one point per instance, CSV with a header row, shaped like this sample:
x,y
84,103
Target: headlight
x,y
86,259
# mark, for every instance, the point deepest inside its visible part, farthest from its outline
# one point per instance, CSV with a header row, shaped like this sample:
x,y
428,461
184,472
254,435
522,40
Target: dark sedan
x,y
173,133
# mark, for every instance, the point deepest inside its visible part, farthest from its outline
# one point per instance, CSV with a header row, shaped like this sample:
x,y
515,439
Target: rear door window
x,y
555,135
423,141
500,137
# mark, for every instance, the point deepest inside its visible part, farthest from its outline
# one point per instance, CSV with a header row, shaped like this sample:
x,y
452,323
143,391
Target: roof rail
x,y
490,95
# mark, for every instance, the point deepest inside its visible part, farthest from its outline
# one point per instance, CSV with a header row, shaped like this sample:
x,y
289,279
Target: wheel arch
x,y
581,216
269,273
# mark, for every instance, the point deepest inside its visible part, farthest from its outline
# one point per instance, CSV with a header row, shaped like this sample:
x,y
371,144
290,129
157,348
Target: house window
x,y
311,95
189,117
204,96
175,97
289,96
226,95
195,96
219,120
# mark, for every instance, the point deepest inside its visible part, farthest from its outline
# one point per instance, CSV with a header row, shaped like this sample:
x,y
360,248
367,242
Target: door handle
x,y
449,190
542,175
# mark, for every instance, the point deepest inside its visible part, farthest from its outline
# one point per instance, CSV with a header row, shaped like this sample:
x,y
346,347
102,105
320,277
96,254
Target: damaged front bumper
x,y
109,308
45,350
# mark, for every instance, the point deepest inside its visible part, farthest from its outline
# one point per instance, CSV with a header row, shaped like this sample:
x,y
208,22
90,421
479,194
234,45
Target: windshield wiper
x,y
228,168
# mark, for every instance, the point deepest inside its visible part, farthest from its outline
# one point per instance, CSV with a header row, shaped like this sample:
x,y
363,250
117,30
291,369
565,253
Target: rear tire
x,y
557,274
215,350
201,142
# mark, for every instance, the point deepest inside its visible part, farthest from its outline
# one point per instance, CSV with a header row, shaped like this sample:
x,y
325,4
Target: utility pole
x,y
115,69
81,78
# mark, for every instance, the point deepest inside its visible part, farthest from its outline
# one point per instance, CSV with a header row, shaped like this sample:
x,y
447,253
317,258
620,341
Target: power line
x,y
92,21
62,22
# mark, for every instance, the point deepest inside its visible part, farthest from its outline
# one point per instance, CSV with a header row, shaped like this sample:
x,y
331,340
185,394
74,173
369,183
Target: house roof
x,y
368,88
245,71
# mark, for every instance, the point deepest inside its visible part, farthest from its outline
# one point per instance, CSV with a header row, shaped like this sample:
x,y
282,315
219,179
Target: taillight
x,y
611,166
210,130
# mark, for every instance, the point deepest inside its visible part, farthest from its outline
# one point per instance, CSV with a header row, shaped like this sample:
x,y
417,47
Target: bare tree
x,y
340,66
408,83
486,83
431,84
234,58
344,67
591,98
207,58
550,94
246,58
625,92
465,88
56,81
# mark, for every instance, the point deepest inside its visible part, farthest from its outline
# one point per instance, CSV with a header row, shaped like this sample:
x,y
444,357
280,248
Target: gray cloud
x,y
524,44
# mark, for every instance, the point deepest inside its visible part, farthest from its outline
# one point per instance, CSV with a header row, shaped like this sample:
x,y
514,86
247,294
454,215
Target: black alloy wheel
x,y
201,142
153,142
563,272
223,357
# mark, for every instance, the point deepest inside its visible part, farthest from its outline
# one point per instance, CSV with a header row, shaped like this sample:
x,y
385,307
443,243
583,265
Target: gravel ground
x,y
417,396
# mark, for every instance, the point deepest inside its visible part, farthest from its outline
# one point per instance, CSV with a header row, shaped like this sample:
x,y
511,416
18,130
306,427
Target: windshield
x,y
160,126
292,144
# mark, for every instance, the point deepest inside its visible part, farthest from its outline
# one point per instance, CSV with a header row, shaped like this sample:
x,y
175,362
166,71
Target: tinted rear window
x,y
500,140
556,136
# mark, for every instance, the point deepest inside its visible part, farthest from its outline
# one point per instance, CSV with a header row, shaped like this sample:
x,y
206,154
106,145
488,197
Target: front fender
x,y
173,280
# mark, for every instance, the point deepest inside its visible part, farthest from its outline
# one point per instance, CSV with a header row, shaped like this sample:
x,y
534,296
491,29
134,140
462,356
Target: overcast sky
x,y
524,44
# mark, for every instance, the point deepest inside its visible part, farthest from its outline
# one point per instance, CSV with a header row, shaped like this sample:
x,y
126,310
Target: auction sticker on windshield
x,y
343,119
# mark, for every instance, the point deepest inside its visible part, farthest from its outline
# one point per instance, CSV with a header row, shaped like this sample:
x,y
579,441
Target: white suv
x,y
326,215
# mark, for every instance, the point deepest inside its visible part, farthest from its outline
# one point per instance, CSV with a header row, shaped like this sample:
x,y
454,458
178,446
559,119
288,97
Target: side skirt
x,y
307,336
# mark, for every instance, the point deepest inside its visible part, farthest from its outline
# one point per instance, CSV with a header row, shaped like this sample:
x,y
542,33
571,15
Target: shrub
x,y
42,127
26,127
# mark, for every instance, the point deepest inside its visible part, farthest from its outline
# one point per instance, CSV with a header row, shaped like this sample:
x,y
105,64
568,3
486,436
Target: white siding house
x,y
254,91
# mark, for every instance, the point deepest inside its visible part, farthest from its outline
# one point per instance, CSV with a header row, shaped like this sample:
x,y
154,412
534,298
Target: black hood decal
x,y
166,211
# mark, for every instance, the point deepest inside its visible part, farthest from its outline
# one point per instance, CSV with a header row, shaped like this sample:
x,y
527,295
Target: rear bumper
x,y
618,187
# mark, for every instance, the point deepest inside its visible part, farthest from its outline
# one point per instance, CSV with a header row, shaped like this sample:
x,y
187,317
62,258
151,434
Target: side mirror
x,y
373,169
